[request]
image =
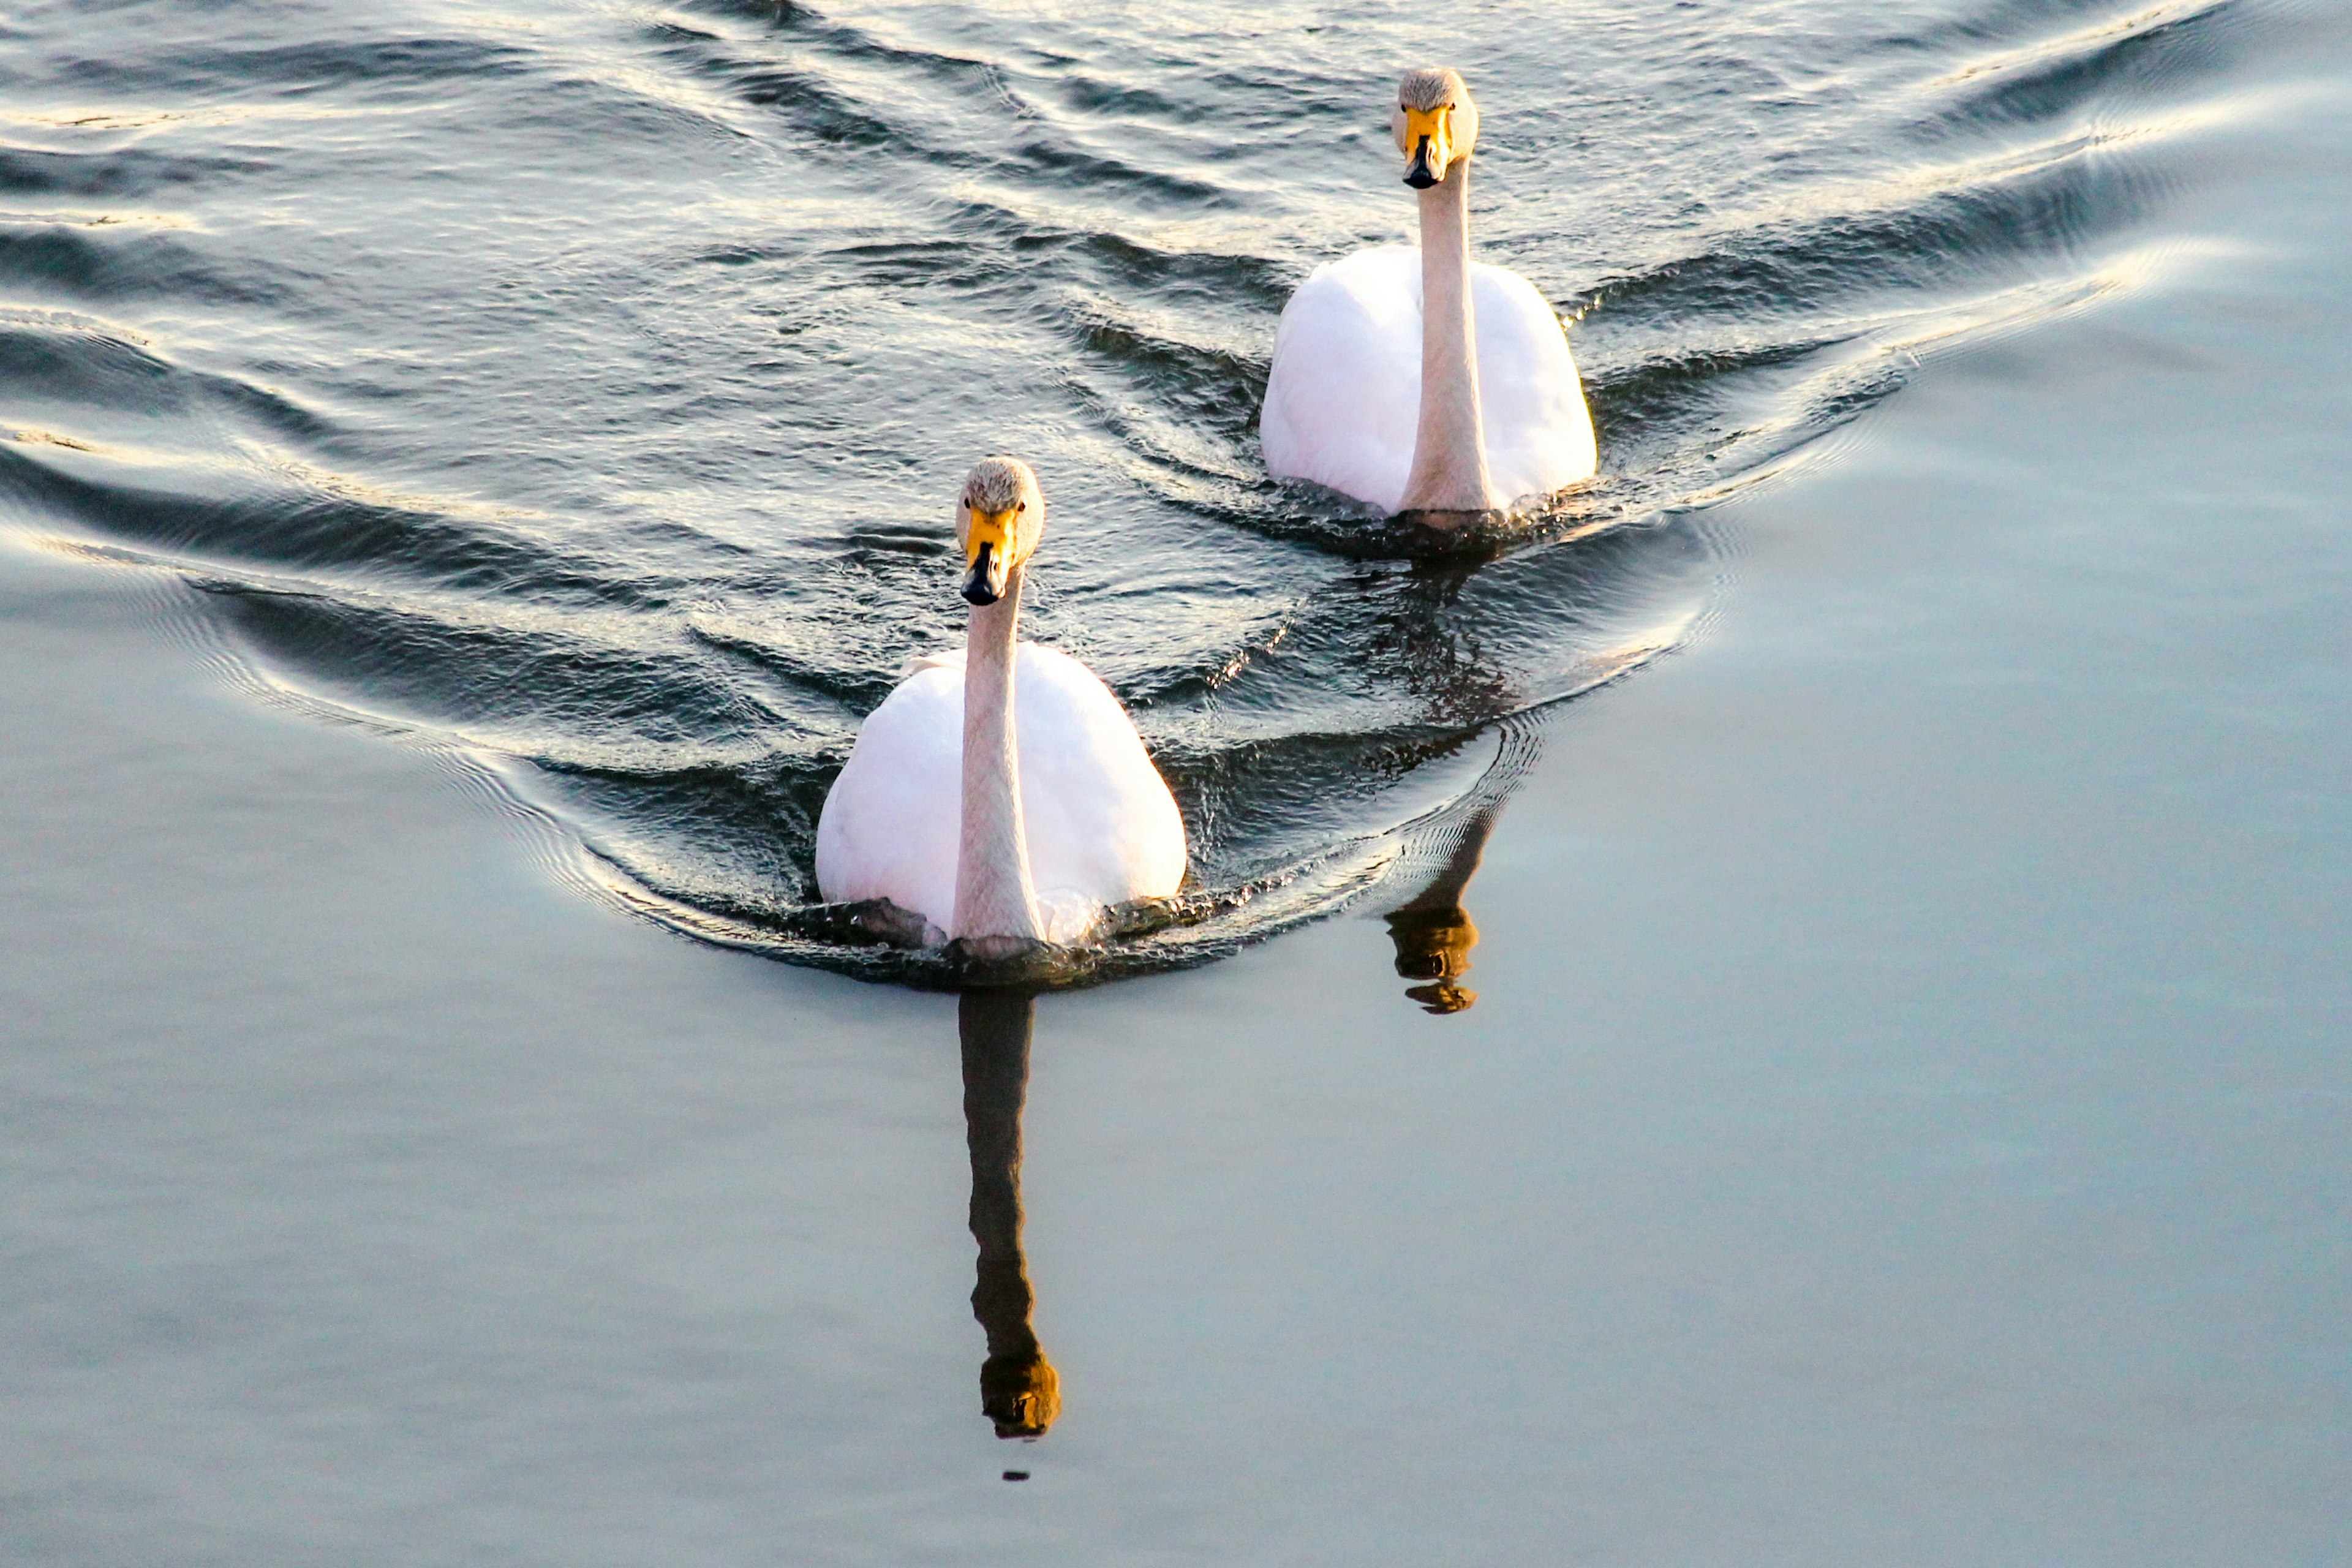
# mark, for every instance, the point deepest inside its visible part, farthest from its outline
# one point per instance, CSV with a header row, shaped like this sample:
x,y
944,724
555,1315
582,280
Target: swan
x,y
1397,384
998,824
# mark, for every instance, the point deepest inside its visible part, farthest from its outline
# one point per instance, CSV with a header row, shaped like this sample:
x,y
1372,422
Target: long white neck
x,y
1449,449
994,896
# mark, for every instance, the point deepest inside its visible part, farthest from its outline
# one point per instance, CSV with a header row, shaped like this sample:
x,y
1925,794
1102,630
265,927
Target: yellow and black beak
x,y
988,554
1429,133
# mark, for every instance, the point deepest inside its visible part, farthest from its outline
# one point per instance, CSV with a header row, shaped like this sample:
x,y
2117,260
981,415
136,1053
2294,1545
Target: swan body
x,y
1344,400
1419,382
1000,794
1102,828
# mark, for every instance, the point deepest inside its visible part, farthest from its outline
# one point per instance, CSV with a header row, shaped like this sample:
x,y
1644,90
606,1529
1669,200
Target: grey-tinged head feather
x,y
998,484
1431,86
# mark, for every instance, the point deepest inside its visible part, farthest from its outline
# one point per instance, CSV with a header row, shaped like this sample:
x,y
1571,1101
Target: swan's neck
x,y
1449,448
994,896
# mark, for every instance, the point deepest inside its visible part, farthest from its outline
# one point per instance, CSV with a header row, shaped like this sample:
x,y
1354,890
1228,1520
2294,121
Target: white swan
x,y
1396,384
999,823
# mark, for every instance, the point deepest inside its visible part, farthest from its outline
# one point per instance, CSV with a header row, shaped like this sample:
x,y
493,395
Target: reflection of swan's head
x,y
1020,1393
998,519
1434,945
1435,124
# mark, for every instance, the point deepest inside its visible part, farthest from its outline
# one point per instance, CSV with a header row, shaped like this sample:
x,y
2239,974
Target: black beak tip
x,y
978,591
1418,176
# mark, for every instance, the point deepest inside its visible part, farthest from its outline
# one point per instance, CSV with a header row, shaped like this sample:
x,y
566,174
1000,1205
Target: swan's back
x,y
1343,402
1101,827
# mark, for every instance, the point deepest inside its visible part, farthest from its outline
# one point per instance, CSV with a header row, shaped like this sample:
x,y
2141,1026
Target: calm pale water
x,y
473,467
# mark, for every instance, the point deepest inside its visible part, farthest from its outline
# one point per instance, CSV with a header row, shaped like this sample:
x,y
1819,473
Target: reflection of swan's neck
x,y
994,895
1434,934
1018,1387
1449,449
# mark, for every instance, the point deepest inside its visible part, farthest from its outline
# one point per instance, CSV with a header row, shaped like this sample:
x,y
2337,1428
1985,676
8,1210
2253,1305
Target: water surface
x,y
587,387
1865,1086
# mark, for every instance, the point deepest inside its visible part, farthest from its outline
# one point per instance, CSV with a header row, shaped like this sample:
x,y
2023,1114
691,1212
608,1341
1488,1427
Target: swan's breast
x,y
1101,825
890,823
1344,396
1531,410
1343,400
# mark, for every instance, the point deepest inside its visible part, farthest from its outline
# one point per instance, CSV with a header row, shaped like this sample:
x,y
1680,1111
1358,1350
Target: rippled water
x,y
583,388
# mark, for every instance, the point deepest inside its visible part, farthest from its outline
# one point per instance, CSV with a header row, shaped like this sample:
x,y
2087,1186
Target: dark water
x,y
585,387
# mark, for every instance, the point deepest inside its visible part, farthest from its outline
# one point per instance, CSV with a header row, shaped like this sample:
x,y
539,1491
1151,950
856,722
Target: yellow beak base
x,y
987,555
1429,135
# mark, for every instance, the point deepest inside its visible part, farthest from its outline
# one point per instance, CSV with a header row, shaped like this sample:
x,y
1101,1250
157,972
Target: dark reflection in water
x,y
1434,934
1018,1389
1431,930
1457,680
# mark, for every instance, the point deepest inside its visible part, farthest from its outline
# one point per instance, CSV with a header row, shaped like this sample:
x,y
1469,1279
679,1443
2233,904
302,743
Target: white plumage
x,y
1099,823
1344,398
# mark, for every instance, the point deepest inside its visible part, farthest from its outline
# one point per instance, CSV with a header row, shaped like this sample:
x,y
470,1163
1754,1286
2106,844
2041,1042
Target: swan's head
x,y
1435,124
998,520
